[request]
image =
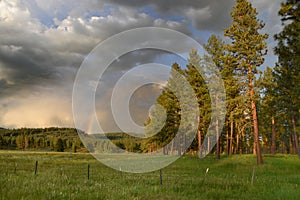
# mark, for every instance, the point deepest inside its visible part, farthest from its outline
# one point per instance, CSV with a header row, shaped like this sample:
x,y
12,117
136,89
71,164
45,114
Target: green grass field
x,y
64,176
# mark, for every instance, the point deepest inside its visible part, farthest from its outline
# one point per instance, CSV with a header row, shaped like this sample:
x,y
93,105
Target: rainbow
x,y
90,129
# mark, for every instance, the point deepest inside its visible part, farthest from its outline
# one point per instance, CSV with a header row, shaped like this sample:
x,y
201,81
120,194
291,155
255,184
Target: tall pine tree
x,y
246,54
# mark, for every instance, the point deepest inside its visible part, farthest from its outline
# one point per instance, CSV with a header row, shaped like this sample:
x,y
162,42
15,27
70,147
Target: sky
x,y
43,44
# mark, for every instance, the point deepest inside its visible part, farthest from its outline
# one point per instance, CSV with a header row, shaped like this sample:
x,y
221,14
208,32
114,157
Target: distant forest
x,y
68,140
44,139
63,140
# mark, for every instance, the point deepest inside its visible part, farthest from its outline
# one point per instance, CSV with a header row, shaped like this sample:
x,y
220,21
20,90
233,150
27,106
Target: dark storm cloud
x,y
204,14
31,51
31,65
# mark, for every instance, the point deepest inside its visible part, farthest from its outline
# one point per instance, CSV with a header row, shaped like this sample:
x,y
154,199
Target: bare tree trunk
x,y
208,144
256,134
164,150
237,143
199,137
283,147
231,138
291,145
242,141
227,141
295,137
273,148
179,144
255,122
254,148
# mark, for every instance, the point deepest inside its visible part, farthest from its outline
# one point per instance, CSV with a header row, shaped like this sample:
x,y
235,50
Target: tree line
x,y
45,139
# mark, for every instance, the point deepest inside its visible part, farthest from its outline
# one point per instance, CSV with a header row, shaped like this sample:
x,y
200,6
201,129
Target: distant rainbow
x,y
91,124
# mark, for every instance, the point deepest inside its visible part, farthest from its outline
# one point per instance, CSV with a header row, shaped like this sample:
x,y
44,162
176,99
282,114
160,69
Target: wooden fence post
x,y
160,177
36,167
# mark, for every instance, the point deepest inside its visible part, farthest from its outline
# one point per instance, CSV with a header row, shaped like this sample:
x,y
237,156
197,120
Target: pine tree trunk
x,y
273,148
254,148
227,141
255,122
291,145
172,147
295,137
208,144
237,143
283,148
242,141
231,138
179,144
199,137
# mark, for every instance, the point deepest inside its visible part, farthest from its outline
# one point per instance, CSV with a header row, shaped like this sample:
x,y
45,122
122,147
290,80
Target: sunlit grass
x,y
64,176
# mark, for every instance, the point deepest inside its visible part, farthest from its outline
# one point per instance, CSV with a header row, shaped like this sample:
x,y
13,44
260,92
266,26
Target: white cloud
x,y
199,15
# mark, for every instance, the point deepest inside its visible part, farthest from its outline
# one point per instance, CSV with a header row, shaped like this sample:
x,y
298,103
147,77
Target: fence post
x,y
36,167
160,177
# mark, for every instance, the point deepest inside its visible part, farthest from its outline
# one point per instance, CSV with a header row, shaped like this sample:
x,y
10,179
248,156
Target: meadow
x,y
64,176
